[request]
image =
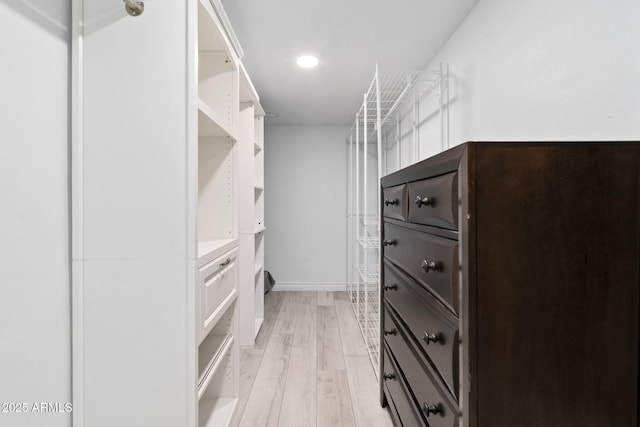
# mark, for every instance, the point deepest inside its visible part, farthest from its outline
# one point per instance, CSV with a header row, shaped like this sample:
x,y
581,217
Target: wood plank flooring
x,y
309,367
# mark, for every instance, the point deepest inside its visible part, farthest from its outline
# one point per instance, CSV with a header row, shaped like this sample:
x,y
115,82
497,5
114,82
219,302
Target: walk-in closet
x,y
232,213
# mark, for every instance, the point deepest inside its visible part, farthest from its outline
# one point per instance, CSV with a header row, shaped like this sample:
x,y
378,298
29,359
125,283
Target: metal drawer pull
x,y
429,338
391,242
431,409
134,8
389,376
390,287
425,201
390,331
433,265
388,202
226,262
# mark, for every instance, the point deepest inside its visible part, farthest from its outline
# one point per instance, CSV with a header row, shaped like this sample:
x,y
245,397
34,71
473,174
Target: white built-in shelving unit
x,y
218,259
377,134
163,114
251,212
258,222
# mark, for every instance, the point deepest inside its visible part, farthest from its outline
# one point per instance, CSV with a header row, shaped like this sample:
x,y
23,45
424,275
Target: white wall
x,y
542,70
305,206
35,347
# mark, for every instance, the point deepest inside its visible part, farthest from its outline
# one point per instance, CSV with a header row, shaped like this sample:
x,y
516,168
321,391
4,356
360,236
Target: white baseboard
x,y
308,286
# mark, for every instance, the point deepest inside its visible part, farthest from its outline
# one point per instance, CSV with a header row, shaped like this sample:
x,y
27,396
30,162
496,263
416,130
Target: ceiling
x,y
348,36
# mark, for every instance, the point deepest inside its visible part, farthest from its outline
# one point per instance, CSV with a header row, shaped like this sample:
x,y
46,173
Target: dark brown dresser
x,y
510,286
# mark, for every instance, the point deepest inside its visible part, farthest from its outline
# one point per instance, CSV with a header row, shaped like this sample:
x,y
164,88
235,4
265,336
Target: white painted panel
x,y
135,344
246,172
306,204
135,147
136,348
35,349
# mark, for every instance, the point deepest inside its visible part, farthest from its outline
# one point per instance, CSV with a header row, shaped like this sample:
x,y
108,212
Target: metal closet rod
x,y
133,7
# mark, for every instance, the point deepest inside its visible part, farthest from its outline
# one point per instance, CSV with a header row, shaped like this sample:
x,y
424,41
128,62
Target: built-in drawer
x,y
395,202
431,326
216,281
429,259
434,201
434,401
400,398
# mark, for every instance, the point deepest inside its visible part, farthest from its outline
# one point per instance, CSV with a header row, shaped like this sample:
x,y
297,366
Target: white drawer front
x,y
216,282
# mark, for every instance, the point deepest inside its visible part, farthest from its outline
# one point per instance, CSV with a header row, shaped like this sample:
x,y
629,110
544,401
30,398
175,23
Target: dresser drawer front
x,y
430,396
395,202
216,281
431,260
401,400
432,326
434,201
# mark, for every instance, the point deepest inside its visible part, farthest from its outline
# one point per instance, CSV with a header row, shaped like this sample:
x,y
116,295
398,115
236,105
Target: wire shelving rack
x,y
390,95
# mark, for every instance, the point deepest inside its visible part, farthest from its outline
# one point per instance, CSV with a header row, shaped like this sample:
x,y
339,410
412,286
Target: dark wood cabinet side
x,y
557,285
549,282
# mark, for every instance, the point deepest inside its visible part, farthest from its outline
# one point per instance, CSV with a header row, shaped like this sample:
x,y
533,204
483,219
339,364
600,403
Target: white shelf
x,y
251,218
210,36
222,308
369,243
214,365
370,274
219,74
210,123
208,250
369,220
219,411
212,347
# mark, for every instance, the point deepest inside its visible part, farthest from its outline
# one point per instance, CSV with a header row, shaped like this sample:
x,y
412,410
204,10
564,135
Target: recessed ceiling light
x,y
307,61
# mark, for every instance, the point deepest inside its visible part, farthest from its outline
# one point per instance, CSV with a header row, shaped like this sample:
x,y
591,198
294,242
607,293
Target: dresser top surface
x,y
449,160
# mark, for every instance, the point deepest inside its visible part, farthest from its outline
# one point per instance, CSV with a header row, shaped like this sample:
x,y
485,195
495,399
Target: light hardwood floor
x,y
309,367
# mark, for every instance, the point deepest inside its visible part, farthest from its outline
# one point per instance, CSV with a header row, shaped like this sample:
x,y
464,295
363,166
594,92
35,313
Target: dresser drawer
x,y
400,399
434,201
432,326
429,394
216,281
395,202
431,260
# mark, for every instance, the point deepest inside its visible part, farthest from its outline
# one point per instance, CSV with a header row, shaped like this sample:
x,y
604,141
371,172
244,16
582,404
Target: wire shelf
x,y
389,98
393,87
372,242
370,273
369,220
365,306
365,220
